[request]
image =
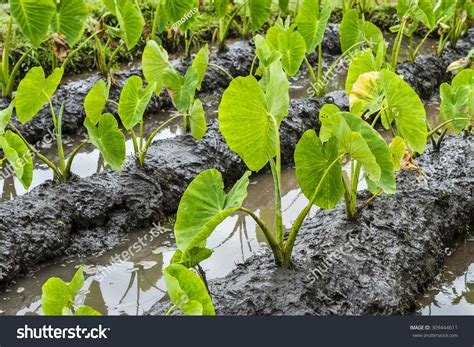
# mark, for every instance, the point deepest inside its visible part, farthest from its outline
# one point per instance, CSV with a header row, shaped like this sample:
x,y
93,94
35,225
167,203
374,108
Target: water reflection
x,y
455,293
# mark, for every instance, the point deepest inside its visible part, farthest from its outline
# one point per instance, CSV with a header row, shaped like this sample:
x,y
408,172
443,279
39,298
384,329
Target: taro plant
x,y
34,91
129,30
255,137
311,22
410,13
135,98
60,298
382,95
457,106
65,19
356,33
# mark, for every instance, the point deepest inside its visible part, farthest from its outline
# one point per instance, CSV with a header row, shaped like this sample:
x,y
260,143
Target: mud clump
x,y
376,265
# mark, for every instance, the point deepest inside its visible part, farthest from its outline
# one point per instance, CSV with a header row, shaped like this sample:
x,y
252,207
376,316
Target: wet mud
x,y
88,215
379,264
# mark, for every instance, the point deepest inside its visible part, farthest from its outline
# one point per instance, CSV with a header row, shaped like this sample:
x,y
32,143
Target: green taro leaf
x,y
86,311
249,118
357,139
77,282
131,24
204,206
95,101
197,120
362,63
292,47
424,13
397,149
178,9
192,257
33,17
5,116
34,91
283,5
181,88
354,30
221,7
187,291
379,149
133,101
312,22
70,19
201,62
315,161
154,62
55,297
19,156
259,12
108,139
386,90
454,101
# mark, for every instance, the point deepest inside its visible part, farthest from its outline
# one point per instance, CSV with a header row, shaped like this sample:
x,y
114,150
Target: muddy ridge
x,y
377,265
88,215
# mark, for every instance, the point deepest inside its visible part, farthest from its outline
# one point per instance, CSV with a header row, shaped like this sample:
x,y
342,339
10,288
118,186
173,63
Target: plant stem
x,y
135,145
67,171
9,88
415,53
220,68
397,44
155,21
288,248
58,132
276,249
276,172
435,130
78,48
114,53
170,311
45,160
314,79
6,52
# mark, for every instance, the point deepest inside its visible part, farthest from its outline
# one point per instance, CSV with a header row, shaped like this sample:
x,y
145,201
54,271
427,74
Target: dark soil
x,y
376,265
88,215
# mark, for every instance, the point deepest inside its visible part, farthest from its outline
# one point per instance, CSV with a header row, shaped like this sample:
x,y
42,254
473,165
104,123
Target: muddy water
x,y
118,285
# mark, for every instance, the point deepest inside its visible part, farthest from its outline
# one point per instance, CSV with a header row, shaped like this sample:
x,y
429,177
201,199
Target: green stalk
x,y
276,249
397,44
288,248
148,143
415,53
320,62
114,53
170,311
6,52
155,21
135,146
276,172
314,79
78,48
220,68
14,73
67,171
435,130
58,133
45,160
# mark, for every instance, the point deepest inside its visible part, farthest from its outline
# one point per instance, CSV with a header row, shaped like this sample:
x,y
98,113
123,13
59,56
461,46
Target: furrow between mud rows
x,y
88,215
376,265
424,75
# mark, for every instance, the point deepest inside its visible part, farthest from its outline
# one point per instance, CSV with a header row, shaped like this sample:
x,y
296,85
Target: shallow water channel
x,y
128,279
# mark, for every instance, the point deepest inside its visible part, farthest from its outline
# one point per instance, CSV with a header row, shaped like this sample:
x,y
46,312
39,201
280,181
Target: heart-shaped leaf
x,y
249,118
354,30
204,205
55,297
187,291
95,101
387,92
19,156
318,168
33,17
108,139
201,62
5,116
131,23
312,22
181,89
259,12
197,120
70,19
154,62
34,91
133,101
